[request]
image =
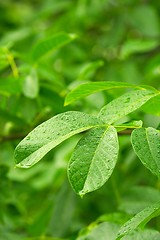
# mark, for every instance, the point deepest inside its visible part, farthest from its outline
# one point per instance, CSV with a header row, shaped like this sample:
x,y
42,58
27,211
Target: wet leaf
x,y
93,160
125,104
146,144
10,86
143,235
51,133
103,231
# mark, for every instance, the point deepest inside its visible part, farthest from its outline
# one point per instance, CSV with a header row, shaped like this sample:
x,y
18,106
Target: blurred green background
x,y
116,41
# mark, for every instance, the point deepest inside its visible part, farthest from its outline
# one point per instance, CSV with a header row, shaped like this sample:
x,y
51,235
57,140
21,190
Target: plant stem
x,y
12,63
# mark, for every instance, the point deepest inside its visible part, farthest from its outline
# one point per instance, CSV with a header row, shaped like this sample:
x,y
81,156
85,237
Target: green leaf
x,y
153,106
103,231
125,104
86,89
51,133
146,144
31,85
139,220
143,235
137,46
51,44
88,69
93,160
131,124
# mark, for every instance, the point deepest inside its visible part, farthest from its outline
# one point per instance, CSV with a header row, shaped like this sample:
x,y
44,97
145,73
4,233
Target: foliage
x,y
79,90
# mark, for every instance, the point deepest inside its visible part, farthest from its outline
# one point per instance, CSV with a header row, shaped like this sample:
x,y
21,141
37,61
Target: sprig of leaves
x,y
96,153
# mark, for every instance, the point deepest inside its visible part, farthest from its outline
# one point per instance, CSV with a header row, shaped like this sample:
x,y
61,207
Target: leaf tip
x,y
21,165
67,100
66,103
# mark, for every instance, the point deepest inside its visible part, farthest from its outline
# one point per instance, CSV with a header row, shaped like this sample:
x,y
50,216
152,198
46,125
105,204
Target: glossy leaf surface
x,y
93,160
143,235
103,231
86,89
124,105
146,144
51,133
139,220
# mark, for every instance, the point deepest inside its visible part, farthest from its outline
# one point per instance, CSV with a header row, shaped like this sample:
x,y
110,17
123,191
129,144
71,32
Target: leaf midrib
x,y
99,115
61,139
150,148
94,157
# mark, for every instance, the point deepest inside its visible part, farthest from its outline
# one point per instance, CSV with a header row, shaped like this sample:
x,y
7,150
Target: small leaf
x,y
88,69
31,85
137,46
51,44
93,160
49,134
86,89
125,104
146,144
139,220
131,124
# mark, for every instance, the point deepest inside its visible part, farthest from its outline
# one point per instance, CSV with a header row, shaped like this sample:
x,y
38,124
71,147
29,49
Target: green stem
x,y
12,63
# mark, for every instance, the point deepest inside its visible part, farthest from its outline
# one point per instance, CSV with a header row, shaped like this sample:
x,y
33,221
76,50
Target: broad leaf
x,y
125,104
139,220
86,89
146,144
51,44
93,160
51,133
